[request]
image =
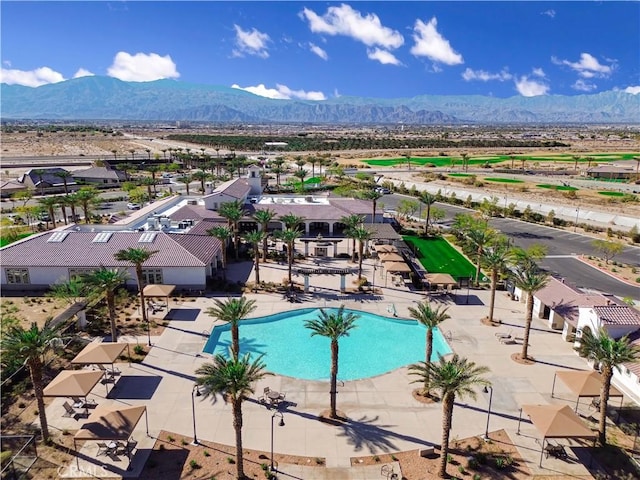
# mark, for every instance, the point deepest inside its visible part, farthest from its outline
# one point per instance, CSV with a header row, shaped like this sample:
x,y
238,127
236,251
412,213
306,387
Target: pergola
x,y
443,279
163,291
391,257
100,354
555,421
584,383
73,383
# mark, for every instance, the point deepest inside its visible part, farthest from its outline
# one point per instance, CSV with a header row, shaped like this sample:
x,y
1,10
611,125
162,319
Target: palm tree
x,y
290,220
39,172
186,179
478,237
374,197
606,353
202,177
234,379
105,281
86,196
351,222
233,212
289,236
495,258
137,256
231,311
30,348
50,203
430,318
362,235
429,200
528,278
64,175
333,325
223,234
255,238
264,217
452,378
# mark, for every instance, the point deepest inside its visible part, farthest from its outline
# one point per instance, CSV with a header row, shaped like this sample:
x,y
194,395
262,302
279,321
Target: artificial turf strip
x,y
503,180
562,188
438,256
4,241
612,194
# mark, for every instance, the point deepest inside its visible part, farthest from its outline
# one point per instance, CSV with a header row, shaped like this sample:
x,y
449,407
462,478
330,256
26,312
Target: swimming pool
x,y
377,345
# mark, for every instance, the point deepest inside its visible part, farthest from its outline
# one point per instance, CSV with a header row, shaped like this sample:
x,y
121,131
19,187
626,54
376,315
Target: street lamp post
x,y
280,424
148,326
575,225
194,393
488,389
373,283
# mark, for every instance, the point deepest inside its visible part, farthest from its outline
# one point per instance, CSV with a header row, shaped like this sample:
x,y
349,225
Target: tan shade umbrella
x,y
99,353
391,257
73,383
397,267
111,423
441,279
585,383
557,421
158,290
385,248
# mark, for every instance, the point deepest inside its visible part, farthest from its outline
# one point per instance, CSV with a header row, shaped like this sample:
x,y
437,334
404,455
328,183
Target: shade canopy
x,y
111,423
385,248
557,421
158,290
441,279
391,257
397,267
73,383
99,353
585,383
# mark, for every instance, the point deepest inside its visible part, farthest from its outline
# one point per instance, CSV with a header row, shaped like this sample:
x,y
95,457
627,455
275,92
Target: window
x,y
79,272
152,276
18,276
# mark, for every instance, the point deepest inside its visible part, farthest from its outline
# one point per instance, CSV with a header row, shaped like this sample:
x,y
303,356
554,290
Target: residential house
x,y
48,180
100,177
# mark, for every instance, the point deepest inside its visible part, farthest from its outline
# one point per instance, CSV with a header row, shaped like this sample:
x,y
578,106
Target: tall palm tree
x,y
374,197
478,237
231,311
106,281
495,258
264,217
30,347
456,377
186,179
291,221
528,278
50,203
351,222
429,200
607,353
86,197
233,212
64,175
362,235
223,234
255,238
39,172
430,318
137,257
333,325
202,177
289,236
234,379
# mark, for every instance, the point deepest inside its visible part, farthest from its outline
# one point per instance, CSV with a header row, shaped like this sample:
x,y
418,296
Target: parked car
x,y
383,190
133,206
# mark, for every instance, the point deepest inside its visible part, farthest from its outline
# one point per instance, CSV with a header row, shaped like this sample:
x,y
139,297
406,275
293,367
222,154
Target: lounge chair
x,y
70,412
508,341
103,449
503,334
83,403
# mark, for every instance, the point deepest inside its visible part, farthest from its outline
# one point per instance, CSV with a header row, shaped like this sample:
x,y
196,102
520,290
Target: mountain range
x,y
106,98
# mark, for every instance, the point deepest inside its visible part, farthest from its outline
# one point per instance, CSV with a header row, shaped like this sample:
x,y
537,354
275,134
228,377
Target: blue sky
x,y
317,50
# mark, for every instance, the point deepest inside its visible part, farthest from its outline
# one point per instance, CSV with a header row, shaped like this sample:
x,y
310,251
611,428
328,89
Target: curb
x,y
612,275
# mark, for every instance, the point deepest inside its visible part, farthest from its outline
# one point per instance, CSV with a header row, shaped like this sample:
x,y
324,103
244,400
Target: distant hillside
x,y
106,98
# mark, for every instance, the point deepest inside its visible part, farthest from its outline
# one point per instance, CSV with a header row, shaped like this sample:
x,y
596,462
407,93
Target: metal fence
x,y
24,454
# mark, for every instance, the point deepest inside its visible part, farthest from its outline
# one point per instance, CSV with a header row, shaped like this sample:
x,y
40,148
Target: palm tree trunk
x,y
111,306
235,340
427,376
256,256
607,373
527,327
63,209
264,246
290,261
235,242
334,379
353,251
237,425
143,307
479,254
375,205
447,416
492,300
360,254
35,371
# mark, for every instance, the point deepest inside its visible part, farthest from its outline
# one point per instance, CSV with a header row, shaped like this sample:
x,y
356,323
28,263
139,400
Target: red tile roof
x,y
236,188
565,300
617,315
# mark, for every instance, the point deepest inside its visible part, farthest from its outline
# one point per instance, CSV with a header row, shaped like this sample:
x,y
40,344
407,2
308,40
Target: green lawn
x,y
438,256
612,194
503,180
460,174
4,241
562,188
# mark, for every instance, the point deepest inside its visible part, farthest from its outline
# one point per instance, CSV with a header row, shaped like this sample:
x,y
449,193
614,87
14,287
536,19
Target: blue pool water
x,y
377,345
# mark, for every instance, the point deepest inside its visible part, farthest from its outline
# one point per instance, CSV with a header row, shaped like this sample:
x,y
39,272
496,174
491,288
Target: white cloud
x,y
551,13
142,67
538,72
318,51
82,72
530,88
587,67
583,86
635,90
484,76
346,21
430,44
251,42
281,92
30,78
383,56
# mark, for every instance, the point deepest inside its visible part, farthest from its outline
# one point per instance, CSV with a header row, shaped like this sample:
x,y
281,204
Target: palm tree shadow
x,y
363,433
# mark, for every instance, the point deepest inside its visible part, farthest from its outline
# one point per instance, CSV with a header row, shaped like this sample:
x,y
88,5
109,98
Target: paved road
x,y
561,245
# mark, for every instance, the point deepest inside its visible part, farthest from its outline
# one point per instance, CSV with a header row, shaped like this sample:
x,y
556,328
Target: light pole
x,y
373,283
195,392
575,225
280,424
488,389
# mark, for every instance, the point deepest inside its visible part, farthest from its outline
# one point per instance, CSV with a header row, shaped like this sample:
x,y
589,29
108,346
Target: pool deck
x,y
384,417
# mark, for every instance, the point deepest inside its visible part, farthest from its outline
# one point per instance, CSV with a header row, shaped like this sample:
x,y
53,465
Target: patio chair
x,y
83,403
103,449
507,340
70,412
503,334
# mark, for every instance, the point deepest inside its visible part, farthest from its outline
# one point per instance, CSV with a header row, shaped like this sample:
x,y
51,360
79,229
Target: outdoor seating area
x,y
556,451
272,398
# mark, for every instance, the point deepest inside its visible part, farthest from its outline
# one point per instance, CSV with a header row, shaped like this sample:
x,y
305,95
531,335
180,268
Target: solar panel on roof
x,y
58,237
102,237
147,237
